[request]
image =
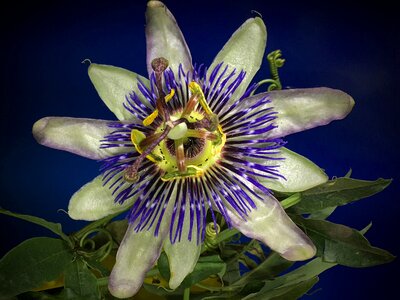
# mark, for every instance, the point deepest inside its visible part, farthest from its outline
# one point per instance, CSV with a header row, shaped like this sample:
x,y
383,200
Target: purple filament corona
x,y
231,181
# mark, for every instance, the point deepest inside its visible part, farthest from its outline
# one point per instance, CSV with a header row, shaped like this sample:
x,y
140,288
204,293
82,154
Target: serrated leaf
x,y
54,227
336,192
32,263
341,244
79,282
290,292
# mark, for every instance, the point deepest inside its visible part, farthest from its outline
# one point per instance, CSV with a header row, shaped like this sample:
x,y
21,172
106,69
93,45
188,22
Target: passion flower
x,y
190,141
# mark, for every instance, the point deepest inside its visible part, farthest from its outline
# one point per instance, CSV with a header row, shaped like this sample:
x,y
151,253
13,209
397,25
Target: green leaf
x,y
118,229
232,273
54,227
268,269
304,273
290,292
206,266
366,228
341,244
32,263
323,213
80,283
163,266
337,192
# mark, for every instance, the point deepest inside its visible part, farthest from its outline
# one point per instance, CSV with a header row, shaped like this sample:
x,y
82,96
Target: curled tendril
x,y
212,230
88,246
275,62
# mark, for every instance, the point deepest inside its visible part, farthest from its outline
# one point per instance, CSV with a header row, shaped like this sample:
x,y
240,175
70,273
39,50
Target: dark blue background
x,y
353,48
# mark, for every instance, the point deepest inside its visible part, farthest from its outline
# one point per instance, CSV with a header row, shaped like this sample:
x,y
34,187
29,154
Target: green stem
x,y
218,289
224,235
245,248
102,281
92,226
186,294
290,201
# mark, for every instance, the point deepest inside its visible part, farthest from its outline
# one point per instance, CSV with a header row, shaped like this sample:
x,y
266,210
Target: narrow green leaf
x,y
290,292
301,274
339,191
341,244
32,263
232,273
118,229
323,213
206,266
54,227
163,266
366,228
348,174
79,282
268,269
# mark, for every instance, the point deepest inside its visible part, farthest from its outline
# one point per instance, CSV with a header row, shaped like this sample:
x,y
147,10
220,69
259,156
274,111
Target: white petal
x,y
183,255
94,201
136,256
113,85
302,109
75,135
300,173
165,39
243,51
270,225
298,109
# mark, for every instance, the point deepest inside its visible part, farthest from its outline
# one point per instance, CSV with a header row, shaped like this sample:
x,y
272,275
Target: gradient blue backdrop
x,y
353,48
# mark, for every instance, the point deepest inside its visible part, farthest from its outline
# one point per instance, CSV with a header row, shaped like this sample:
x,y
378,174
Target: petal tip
x,y
175,281
38,129
155,4
122,289
300,252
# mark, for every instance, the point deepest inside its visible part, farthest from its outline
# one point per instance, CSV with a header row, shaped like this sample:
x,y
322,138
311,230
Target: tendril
x,y
275,62
212,231
100,253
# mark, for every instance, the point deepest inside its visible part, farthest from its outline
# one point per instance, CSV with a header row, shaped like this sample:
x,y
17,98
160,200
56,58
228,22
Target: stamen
x,y
196,90
150,119
201,134
190,106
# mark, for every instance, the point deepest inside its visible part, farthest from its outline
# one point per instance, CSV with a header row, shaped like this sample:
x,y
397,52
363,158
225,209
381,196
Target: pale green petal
x,y
137,254
300,173
94,201
302,109
165,39
183,255
113,85
75,135
244,51
297,109
270,225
